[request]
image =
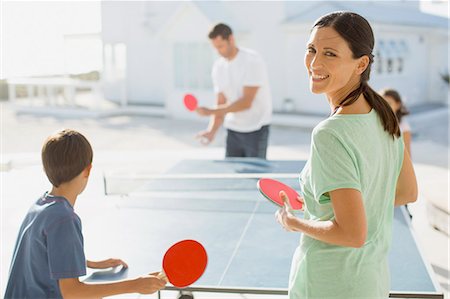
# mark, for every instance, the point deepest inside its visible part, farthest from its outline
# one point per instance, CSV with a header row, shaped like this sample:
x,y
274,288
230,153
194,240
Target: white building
x,y
155,52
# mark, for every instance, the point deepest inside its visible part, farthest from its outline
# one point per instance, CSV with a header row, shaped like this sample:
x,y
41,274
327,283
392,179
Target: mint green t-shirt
x,y
348,151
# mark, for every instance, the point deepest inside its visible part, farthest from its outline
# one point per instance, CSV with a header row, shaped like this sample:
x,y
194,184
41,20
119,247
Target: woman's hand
x,y
285,216
106,264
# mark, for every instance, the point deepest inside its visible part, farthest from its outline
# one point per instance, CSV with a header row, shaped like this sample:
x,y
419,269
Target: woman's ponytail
x,y
388,118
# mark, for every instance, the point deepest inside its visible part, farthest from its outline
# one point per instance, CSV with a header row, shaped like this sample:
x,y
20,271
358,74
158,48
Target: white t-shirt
x,y
246,69
404,125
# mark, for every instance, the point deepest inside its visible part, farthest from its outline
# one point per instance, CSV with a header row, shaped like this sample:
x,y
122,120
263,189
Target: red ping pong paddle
x,y
271,190
184,263
190,102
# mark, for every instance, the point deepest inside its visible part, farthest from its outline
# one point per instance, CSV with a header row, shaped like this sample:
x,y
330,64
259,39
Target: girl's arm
x,y
406,190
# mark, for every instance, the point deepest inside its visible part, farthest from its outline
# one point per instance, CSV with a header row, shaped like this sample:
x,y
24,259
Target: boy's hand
x,y
106,264
149,284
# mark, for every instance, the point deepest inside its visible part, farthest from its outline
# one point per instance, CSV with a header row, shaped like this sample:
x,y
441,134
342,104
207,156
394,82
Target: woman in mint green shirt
x,y
357,172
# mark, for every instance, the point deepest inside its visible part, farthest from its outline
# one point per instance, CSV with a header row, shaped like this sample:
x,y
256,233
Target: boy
x,y
49,255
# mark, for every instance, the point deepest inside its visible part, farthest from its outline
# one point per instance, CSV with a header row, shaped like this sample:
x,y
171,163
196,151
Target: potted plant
x,y
445,77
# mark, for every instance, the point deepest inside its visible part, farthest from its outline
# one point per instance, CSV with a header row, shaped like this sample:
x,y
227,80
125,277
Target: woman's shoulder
x,y
326,128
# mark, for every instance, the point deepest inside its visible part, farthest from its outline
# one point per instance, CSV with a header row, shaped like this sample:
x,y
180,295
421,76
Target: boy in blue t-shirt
x,y
49,256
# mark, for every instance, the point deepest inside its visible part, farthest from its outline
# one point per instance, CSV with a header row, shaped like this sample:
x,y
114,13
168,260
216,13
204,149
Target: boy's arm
x,y
73,288
106,264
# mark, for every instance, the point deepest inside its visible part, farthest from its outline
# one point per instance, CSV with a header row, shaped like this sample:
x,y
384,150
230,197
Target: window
x,y
390,56
378,62
400,65
390,65
192,65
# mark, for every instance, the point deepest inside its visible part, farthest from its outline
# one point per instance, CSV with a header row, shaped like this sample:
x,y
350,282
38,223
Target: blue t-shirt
x,y
49,247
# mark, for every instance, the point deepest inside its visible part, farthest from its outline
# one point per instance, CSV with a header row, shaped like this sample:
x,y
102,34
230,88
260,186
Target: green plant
x,y
445,77
3,90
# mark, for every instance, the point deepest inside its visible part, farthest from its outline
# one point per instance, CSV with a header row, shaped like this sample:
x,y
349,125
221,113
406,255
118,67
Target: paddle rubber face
x,y
271,190
190,102
185,262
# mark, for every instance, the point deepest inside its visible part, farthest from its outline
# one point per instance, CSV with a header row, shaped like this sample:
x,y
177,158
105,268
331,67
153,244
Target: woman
x,y
395,101
357,171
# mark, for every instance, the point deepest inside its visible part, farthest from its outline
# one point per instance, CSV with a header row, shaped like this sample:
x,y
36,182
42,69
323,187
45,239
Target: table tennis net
x,y
227,193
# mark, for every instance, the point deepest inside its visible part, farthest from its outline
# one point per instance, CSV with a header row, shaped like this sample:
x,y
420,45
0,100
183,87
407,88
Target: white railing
x,y
47,88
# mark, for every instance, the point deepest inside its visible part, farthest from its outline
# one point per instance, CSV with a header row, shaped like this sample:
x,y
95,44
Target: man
x,y
244,103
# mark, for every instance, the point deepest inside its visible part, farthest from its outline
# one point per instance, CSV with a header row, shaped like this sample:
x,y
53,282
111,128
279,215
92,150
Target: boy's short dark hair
x,y
222,30
65,155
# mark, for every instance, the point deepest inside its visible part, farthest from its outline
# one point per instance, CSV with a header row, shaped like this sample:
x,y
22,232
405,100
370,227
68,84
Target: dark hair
x,y
358,34
402,111
222,30
65,155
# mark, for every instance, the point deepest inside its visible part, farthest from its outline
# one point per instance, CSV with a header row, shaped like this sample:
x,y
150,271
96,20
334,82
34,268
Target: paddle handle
x,y
162,275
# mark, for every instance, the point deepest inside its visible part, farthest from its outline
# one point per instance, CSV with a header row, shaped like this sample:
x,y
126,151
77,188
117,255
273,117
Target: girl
x,y
395,101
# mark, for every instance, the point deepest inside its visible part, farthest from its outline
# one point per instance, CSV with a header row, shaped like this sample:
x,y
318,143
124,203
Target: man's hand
x,y
106,264
206,137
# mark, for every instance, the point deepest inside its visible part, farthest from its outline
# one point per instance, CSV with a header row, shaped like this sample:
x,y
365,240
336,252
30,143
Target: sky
x,y
441,9
60,37
43,38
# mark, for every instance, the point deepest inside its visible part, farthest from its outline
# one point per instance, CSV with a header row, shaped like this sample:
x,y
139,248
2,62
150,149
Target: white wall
x,y
136,25
438,64
297,82
427,57
187,25
412,82
150,30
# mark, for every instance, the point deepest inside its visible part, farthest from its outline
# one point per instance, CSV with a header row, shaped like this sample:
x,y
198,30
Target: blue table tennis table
x,y
216,202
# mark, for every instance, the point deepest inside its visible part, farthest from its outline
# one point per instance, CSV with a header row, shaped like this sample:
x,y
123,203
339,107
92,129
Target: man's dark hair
x,y
221,30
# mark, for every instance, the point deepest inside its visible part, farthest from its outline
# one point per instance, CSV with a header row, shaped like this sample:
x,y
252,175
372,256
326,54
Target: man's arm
x,y
215,122
217,119
241,104
73,288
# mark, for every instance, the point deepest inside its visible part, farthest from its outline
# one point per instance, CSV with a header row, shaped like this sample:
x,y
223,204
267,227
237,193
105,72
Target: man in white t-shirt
x,y
244,102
